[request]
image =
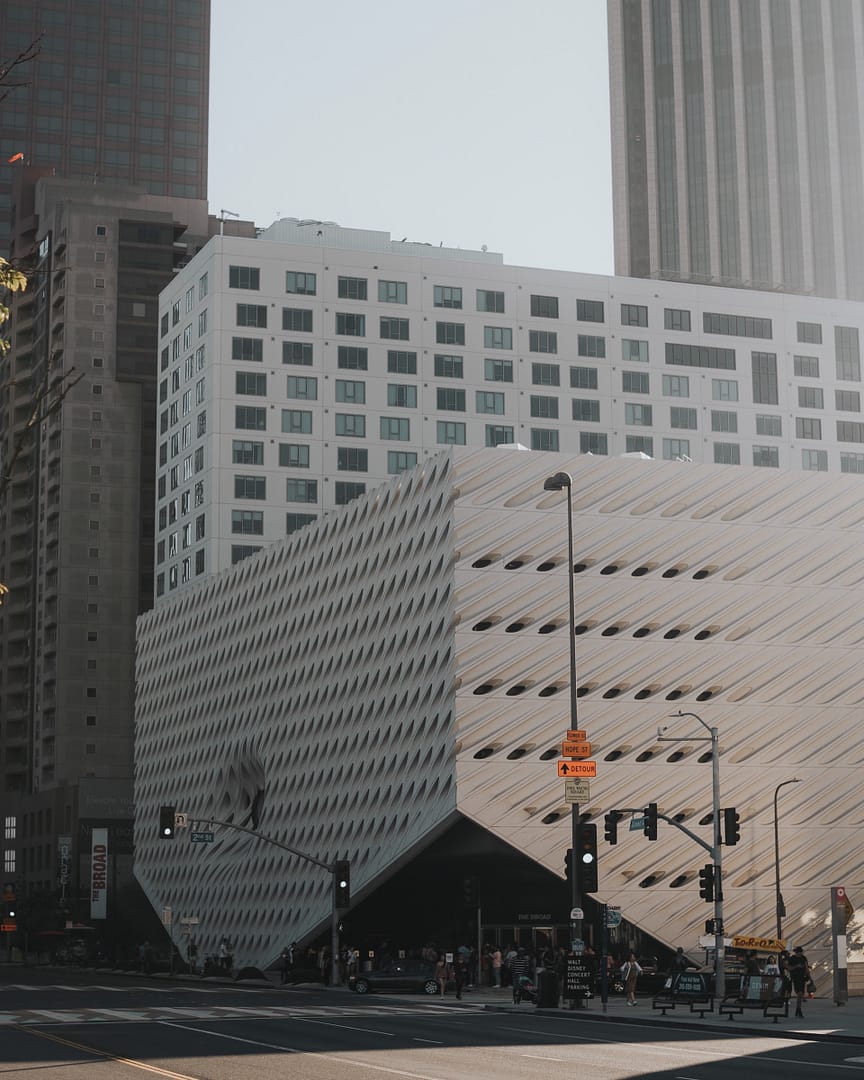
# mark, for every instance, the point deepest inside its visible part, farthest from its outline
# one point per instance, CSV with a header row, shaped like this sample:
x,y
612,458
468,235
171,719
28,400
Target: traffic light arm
x,y
267,840
664,817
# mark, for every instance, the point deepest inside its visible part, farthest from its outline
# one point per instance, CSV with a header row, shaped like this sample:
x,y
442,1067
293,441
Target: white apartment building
x,y
303,368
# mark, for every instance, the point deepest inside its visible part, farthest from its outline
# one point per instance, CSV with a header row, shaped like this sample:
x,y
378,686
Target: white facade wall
x,y
708,414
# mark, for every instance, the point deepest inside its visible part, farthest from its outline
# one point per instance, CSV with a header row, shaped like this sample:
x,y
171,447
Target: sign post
x,y
841,909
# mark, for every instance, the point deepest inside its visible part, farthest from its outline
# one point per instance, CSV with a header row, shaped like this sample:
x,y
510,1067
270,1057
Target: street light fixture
x,y
780,907
559,482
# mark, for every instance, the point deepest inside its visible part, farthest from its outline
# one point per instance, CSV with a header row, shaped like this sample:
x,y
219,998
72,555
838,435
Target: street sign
x,y
576,735
579,977
576,791
613,915
202,837
167,916
637,824
577,768
576,749
189,920
181,821
8,927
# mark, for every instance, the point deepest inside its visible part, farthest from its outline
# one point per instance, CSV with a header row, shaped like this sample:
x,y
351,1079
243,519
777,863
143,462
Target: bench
x,y
685,988
764,992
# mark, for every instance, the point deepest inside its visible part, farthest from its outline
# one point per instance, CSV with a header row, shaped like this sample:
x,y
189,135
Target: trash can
x,y
547,989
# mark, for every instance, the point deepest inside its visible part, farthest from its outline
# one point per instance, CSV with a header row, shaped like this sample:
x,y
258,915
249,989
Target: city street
x,y
122,1027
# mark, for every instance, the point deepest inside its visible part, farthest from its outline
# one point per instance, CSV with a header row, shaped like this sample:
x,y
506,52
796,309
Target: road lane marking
x,y
109,1056
543,1057
432,1042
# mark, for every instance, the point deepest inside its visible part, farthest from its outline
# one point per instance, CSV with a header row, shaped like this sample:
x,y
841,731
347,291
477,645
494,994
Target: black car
x,y
414,976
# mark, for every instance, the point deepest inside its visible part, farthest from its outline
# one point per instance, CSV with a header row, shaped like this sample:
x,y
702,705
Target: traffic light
x,y
568,864
166,822
611,833
731,820
706,883
649,817
471,890
342,883
587,856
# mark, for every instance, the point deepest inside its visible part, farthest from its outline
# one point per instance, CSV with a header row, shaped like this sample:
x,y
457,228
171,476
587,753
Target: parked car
x,y
417,977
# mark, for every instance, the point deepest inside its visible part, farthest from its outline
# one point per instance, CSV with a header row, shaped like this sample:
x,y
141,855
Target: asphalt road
x,y
122,1029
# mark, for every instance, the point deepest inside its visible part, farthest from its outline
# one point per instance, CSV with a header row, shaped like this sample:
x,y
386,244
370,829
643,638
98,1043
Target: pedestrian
x,y
192,956
286,963
630,972
799,972
681,962
783,964
144,957
460,971
520,968
771,966
442,973
751,964
497,960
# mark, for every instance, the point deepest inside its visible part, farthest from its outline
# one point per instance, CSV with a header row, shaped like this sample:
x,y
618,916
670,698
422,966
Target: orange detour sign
x,y
586,769
576,749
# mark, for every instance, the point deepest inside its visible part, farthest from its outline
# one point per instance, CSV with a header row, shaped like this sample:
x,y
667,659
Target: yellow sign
x,y
762,944
576,749
575,735
577,768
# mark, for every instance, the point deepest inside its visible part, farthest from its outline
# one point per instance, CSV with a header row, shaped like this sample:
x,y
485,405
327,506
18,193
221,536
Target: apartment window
x,y
202,286
450,398
727,453
544,439
847,400
814,460
244,277
591,442
395,427
639,444
351,424
449,333
638,415
401,395
704,356
810,397
676,386
297,352
498,434
352,358
676,319
545,375
590,311
399,461
293,522
769,425
448,367
298,320
303,491
498,370
350,391
447,296
806,367
300,282
393,329
724,420
852,463
808,427
497,337
252,315
297,421
583,378
350,325
248,522
250,487
351,288
544,407
850,431
634,315
810,333
724,390
765,384
400,362
246,452
634,352
847,354
450,432
239,552
766,457
635,382
490,401
352,459
250,382
247,350
714,322
544,307
488,300
543,341
303,387
344,491
681,417
588,345
251,417
294,455
392,292
673,449
586,411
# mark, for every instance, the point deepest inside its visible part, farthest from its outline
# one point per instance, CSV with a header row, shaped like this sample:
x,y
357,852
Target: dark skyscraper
x,y
738,142
118,93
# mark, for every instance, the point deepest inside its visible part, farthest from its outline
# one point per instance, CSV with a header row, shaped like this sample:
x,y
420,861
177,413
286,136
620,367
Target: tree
x,y
9,80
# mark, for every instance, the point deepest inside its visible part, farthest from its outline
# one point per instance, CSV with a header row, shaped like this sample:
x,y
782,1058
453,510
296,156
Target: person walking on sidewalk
x,y
630,971
799,972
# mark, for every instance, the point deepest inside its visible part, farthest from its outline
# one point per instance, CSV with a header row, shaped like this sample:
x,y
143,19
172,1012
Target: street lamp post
x,y
559,482
780,907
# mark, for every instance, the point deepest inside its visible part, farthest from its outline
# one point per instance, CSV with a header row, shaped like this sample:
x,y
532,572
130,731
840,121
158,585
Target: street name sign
x,y
202,837
576,749
576,735
576,791
613,915
577,768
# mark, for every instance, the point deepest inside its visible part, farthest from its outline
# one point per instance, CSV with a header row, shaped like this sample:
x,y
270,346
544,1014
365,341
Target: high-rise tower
x,y
738,142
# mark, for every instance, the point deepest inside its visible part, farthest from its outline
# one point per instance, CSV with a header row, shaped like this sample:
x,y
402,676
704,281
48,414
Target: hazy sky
x,y
464,121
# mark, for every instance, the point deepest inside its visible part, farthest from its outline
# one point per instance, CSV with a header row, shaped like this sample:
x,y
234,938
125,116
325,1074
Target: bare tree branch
x,y
7,67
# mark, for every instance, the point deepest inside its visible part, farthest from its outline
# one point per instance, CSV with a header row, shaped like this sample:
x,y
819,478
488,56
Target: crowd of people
x,y
793,968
